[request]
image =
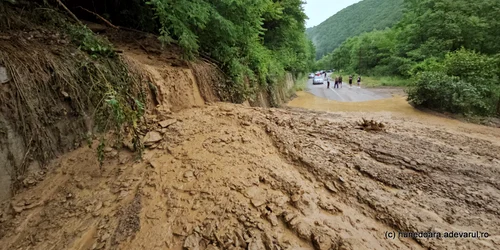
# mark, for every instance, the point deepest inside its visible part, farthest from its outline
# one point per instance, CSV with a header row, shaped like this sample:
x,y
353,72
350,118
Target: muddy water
x,y
397,106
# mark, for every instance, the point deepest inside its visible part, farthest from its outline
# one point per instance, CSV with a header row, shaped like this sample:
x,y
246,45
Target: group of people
x,y
338,82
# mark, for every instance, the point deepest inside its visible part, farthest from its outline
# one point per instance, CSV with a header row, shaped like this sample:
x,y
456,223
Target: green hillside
x,y
361,17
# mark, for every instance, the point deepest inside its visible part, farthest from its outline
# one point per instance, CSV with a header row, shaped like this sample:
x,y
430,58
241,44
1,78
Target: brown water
x,y
396,106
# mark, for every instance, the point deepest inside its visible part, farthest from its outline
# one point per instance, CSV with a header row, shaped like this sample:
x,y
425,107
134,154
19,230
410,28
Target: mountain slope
x,y
361,17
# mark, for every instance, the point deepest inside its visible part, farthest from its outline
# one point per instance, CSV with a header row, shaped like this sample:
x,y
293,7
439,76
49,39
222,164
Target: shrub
x,y
439,91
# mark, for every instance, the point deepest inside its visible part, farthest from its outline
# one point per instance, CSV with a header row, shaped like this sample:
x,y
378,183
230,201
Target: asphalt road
x,y
345,94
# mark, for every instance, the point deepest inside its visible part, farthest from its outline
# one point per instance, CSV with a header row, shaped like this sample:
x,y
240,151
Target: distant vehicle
x,y
318,80
329,71
311,75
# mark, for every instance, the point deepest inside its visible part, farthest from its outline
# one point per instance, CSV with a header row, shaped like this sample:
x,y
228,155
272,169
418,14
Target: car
x,y
311,75
318,80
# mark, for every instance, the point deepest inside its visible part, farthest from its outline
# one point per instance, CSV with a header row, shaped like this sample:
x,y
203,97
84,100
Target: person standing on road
x,y
327,82
336,86
340,81
359,82
350,81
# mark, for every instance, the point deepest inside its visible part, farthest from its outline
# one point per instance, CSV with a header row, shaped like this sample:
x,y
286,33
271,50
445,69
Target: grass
x,y
378,81
301,83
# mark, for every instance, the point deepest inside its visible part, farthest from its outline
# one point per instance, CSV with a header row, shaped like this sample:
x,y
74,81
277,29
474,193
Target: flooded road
x,y
392,107
346,93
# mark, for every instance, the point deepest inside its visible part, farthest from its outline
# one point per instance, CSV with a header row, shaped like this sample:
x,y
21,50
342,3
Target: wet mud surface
x,y
232,177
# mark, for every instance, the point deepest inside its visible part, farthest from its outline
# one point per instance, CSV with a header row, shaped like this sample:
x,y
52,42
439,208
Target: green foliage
x,y
368,53
362,17
255,41
436,90
90,43
465,82
448,48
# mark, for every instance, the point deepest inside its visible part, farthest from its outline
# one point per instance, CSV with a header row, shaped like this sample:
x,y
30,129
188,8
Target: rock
x,y
192,242
166,123
29,181
258,201
98,206
112,154
17,209
296,197
289,216
108,149
151,138
413,163
341,180
123,158
406,159
321,242
256,244
65,94
212,247
273,219
189,174
104,237
303,231
4,75
330,186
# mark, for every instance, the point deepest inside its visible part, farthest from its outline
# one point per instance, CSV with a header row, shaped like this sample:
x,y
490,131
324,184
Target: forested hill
x,y
361,17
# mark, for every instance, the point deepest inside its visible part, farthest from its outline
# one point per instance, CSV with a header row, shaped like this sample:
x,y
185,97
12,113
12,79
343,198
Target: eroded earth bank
x,y
228,176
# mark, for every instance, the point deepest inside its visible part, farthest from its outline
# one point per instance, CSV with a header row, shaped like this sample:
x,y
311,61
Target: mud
x,y
232,177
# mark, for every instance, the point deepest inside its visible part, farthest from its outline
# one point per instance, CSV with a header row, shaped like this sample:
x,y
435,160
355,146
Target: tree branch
x,y
69,12
100,17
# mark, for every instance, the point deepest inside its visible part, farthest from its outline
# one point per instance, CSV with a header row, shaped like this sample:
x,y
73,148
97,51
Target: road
x,y
345,94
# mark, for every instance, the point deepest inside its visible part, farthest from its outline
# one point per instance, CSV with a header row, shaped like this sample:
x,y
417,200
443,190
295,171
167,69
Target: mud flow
x,y
226,176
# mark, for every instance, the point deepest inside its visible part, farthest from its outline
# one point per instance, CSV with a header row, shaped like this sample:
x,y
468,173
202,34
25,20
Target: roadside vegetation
x,y
301,82
255,42
447,50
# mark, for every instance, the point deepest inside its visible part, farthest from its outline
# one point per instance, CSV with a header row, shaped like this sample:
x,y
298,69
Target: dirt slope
x,y
232,177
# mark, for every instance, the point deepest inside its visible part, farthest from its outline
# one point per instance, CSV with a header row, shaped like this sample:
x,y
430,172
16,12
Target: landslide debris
x,y
231,177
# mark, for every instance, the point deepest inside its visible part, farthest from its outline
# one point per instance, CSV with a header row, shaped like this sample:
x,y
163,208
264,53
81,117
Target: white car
x,y
318,80
311,75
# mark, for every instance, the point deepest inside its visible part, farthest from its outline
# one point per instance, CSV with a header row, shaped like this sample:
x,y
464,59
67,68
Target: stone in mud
x,y
273,219
331,187
166,123
303,230
321,241
192,242
151,138
4,75
258,201
212,247
256,244
296,197
289,216
189,174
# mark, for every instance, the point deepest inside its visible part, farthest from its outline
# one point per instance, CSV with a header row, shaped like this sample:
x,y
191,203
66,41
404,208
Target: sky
x,y
320,10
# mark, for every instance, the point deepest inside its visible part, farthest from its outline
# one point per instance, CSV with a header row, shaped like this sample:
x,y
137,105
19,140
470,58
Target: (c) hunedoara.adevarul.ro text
x,y
437,235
